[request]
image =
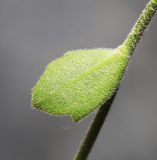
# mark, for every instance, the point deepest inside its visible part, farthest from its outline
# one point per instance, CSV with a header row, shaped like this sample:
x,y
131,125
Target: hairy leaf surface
x,y
79,82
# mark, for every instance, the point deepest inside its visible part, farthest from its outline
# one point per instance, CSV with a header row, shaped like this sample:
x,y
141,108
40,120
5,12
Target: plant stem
x,y
138,29
94,129
127,47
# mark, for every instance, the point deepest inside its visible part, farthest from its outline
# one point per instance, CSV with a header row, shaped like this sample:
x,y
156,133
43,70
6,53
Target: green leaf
x,y
79,82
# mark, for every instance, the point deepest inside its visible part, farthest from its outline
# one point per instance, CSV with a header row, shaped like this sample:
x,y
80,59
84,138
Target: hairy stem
x,y
127,47
93,131
138,29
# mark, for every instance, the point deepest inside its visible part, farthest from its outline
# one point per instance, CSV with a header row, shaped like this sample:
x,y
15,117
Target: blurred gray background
x,y
35,32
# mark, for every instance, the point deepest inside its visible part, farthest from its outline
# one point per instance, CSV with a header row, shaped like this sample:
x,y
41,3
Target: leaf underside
x,y
79,82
